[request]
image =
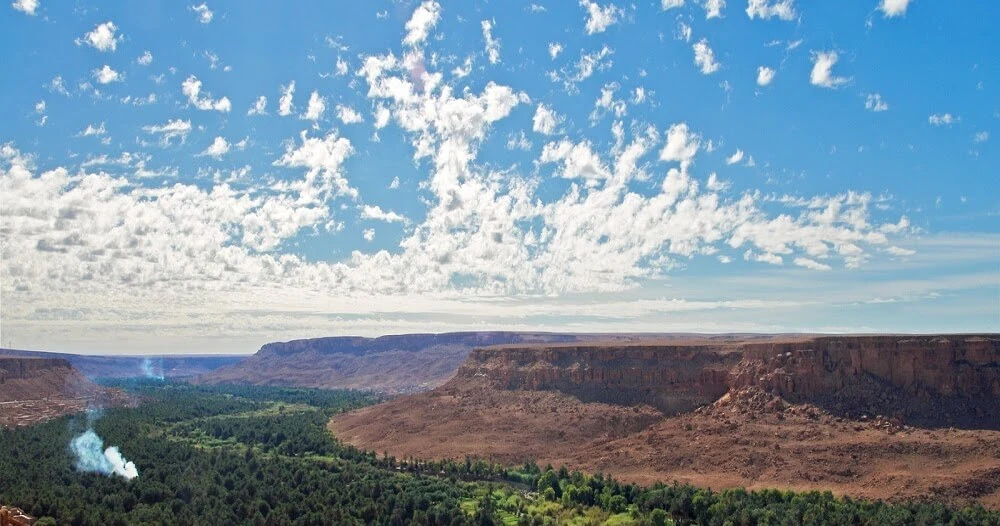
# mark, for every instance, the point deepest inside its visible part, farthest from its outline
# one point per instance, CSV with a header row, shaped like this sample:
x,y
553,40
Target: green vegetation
x,y
259,455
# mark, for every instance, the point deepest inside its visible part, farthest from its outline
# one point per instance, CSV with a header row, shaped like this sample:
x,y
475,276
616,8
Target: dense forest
x,y
262,455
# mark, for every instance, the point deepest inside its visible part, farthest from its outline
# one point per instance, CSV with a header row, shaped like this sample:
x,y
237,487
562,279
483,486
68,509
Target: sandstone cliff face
x,y
911,376
22,368
37,378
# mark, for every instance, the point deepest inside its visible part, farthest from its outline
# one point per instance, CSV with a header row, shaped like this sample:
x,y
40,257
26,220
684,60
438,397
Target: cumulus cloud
x,y
943,119
102,38
764,75
735,157
893,8
874,102
600,18
219,147
316,107
106,75
348,115
555,49
584,68
682,144
423,20
810,264
259,107
704,57
27,7
285,106
783,9
492,44
671,4
191,87
713,8
822,70
145,59
205,14
92,131
578,160
174,128
545,120
323,158
376,213
981,137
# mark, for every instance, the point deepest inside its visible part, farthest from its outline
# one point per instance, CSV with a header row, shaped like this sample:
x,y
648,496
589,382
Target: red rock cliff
x,y
888,374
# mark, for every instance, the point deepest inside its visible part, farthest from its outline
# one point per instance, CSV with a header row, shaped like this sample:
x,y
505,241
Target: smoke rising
x,y
92,457
149,371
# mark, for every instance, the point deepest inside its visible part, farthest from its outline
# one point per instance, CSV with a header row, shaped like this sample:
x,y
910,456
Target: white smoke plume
x,y
150,371
92,457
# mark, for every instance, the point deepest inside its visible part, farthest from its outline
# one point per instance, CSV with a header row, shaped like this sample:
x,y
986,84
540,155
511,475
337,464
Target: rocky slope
x,y
871,416
33,389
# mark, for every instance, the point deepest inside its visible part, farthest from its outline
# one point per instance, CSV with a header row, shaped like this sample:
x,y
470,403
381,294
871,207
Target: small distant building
x,y
11,516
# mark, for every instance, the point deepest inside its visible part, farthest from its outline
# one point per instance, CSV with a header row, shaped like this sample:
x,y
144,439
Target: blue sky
x,y
207,177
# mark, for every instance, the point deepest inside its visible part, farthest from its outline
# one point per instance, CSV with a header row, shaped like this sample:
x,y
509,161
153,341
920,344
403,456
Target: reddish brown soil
x,y
37,389
747,438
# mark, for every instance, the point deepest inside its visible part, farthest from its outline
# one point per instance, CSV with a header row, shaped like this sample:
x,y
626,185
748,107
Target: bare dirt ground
x,y
750,439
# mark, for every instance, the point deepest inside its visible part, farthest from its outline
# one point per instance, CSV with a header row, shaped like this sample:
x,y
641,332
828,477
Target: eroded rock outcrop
x,y
955,377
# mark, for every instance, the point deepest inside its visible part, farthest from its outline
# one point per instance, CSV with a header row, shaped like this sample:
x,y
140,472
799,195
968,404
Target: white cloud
x,y
172,129
554,49
368,234
492,44
981,136
348,115
106,75
191,87
91,130
585,68
519,141
892,8
145,60
341,67
810,264
713,8
704,57
27,7
671,4
323,158
822,70
764,75
285,106
424,18
219,147
376,213
394,184
204,13
578,160
600,18
874,102
40,110
783,9
545,120
464,70
682,144
684,32
102,38
606,102
735,158
316,107
57,85
259,107
943,119
901,252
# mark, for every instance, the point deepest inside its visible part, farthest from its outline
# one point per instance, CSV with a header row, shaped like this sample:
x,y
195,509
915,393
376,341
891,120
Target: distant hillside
x,y
390,364
171,366
34,389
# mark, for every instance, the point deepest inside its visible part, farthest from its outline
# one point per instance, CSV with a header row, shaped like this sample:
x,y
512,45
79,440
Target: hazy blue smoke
x,y
91,457
149,371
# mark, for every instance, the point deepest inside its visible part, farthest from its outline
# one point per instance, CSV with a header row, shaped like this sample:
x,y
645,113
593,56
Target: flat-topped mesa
x,y
905,375
671,378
